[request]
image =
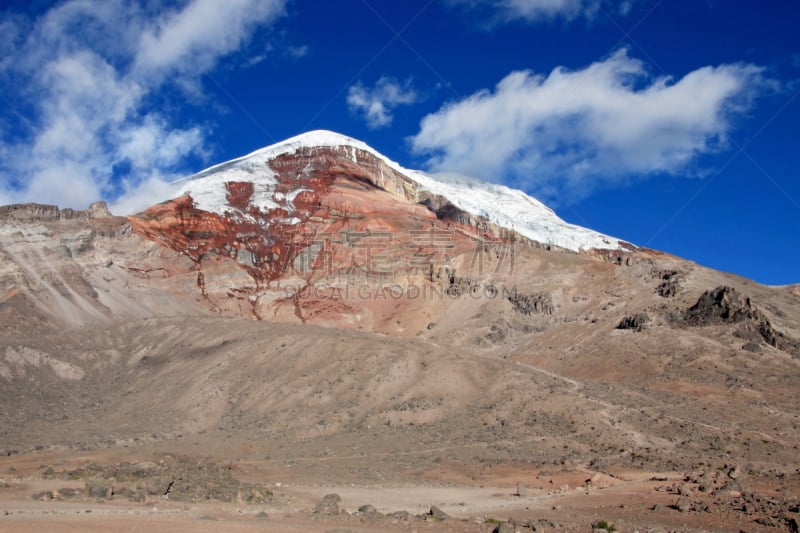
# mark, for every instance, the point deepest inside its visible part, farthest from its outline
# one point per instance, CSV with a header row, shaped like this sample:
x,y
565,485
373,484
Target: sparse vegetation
x,y
602,525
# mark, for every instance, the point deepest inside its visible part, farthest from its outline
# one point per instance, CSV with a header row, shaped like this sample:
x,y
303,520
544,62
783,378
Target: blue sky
x,y
671,124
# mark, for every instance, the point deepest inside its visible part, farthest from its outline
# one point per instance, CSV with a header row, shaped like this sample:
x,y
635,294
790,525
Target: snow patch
x,y
209,193
514,210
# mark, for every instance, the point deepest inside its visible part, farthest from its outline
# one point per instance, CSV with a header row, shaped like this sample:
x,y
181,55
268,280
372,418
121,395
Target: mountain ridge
x,y
325,212
525,215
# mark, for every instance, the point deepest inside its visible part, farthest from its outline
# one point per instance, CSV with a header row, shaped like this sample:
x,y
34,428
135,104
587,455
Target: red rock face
x,y
239,194
337,220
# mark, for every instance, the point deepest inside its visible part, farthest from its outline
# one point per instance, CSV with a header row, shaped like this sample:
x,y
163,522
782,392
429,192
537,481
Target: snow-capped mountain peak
x,y
500,205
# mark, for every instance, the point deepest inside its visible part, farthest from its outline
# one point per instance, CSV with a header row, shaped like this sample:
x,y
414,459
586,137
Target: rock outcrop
x,y
531,304
726,305
722,305
636,322
670,284
47,213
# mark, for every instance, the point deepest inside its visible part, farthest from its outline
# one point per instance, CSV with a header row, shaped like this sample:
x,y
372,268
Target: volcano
x,y
316,336
323,211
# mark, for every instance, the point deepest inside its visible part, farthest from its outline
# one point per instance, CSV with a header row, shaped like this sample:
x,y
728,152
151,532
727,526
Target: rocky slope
x,y
485,357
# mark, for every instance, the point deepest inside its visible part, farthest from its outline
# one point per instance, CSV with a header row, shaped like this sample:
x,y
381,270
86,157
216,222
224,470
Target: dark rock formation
x,y
528,304
670,284
723,305
726,305
635,322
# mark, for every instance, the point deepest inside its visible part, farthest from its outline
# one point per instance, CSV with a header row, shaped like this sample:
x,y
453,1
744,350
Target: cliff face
x,y
332,217
47,213
318,192
63,268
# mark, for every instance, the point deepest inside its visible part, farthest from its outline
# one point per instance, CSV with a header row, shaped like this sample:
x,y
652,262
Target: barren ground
x,y
163,415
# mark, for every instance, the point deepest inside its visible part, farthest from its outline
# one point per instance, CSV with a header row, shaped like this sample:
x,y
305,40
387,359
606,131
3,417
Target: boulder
x,y
329,505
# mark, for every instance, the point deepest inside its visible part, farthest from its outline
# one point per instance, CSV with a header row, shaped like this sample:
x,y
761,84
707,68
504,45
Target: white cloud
x,y
562,135
83,83
378,103
535,9
152,143
192,39
140,194
538,10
